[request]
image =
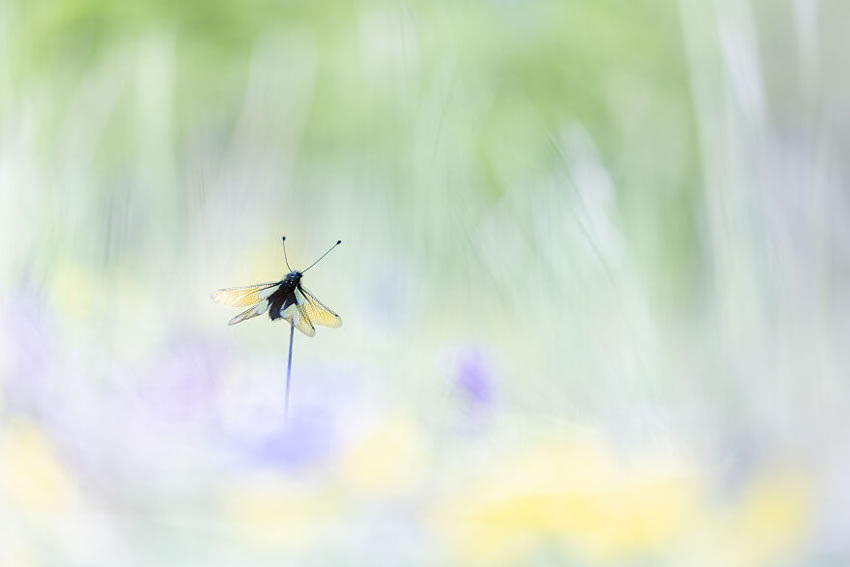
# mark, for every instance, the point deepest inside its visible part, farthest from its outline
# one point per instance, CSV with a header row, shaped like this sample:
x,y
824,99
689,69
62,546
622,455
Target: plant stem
x,y
289,369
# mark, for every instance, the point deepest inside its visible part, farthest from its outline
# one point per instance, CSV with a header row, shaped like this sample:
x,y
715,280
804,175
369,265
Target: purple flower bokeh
x,y
184,382
304,439
473,377
26,334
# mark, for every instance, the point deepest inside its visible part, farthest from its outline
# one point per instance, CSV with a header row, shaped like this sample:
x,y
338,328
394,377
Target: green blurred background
x,y
592,282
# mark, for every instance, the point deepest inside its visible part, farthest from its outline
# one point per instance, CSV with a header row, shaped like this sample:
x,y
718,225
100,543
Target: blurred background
x,y
593,282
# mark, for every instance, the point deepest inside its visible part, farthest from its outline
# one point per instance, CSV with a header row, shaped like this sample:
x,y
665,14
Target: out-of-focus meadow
x,y
593,282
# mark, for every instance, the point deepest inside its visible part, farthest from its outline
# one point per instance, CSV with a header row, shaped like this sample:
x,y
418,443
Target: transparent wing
x,y
257,309
316,311
248,295
303,323
296,316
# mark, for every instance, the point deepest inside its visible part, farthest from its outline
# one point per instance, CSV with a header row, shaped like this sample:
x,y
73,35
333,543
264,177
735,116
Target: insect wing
x,y
303,323
257,309
316,311
299,319
247,295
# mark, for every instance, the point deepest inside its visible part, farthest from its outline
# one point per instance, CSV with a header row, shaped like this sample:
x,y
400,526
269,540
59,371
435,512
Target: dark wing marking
x,y
247,295
318,312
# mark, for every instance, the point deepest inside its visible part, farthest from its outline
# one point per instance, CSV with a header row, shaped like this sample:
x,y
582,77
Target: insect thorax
x,y
291,280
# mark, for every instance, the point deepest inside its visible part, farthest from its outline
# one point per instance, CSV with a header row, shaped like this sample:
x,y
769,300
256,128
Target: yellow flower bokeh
x,y
579,499
386,459
273,511
32,478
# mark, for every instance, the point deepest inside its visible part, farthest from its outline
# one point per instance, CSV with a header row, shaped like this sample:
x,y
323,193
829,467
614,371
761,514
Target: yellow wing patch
x,y
318,312
247,295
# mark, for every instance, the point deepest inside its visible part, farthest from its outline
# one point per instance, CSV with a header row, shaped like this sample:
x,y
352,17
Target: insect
x,y
286,299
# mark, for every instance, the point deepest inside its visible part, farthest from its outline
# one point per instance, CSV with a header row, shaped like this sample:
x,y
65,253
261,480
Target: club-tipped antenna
x,y
338,242
283,239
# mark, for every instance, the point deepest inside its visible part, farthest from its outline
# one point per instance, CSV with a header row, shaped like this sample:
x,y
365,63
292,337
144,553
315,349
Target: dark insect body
x,y
284,295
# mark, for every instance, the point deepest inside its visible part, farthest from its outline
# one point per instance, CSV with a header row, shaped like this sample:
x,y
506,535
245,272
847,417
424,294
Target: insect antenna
x,y
283,239
338,242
